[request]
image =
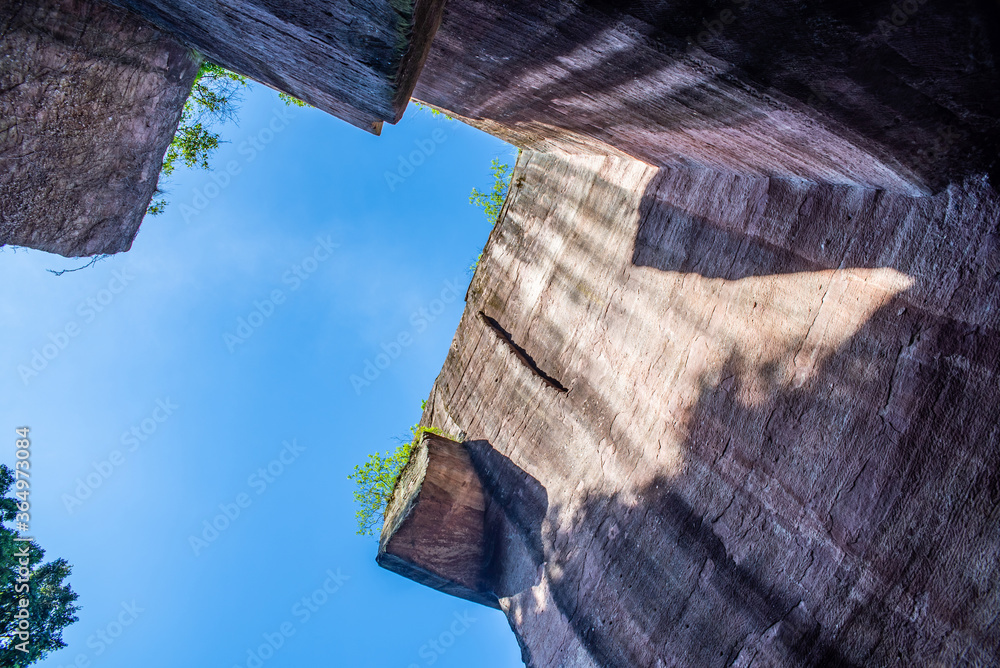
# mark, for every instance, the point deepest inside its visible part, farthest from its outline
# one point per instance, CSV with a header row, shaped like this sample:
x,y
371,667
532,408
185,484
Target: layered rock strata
x,y
356,60
435,524
902,96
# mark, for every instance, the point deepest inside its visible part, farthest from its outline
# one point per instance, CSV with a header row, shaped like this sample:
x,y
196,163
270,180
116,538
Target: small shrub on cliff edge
x,y
492,203
213,99
376,479
434,112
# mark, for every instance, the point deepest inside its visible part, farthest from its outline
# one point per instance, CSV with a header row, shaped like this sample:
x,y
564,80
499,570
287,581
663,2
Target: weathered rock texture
x,y
357,59
827,91
726,420
434,529
91,94
90,97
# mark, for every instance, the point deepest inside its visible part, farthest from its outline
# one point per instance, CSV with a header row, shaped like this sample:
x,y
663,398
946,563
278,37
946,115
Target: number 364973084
x,y
22,477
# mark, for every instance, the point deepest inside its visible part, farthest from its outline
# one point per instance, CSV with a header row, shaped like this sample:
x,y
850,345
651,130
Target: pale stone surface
x,y
779,442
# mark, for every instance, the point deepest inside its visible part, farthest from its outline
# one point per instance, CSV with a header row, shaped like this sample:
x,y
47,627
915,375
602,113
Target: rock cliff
x,y
91,94
901,96
725,387
356,60
725,420
90,97
437,525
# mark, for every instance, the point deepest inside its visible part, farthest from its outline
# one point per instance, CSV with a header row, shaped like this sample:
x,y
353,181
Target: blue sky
x,y
154,410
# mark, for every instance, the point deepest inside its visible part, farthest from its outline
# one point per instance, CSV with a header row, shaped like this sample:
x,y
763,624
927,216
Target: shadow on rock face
x,y
915,91
809,525
516,507
670,574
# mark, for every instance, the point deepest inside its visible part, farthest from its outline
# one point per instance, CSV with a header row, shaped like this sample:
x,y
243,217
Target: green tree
x,y
213,99
50,599
492,203
376,479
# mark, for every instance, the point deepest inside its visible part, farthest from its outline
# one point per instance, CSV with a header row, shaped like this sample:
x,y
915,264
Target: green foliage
x,y
213,99
376,479
50,601
291,101
434,112
192,145
492,203
157,207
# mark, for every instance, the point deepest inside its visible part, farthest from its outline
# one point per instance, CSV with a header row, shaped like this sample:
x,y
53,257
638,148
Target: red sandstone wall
x,y
90,97
779,439
826,91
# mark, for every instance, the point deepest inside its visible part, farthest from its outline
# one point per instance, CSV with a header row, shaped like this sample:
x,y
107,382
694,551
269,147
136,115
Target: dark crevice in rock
x,y
521,353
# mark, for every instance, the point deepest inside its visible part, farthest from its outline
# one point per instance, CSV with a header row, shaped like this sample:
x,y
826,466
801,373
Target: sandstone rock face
x,y
727,420
434,531
358,60
902,96
90,96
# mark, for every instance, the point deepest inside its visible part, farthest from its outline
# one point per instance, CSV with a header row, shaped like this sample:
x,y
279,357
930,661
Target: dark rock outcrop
x,y
91,94
90,97
356,60
435,523
903,96
778,442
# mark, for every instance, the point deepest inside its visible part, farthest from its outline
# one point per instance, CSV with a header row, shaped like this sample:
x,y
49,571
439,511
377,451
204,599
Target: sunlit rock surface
x,y
733,420
90,97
